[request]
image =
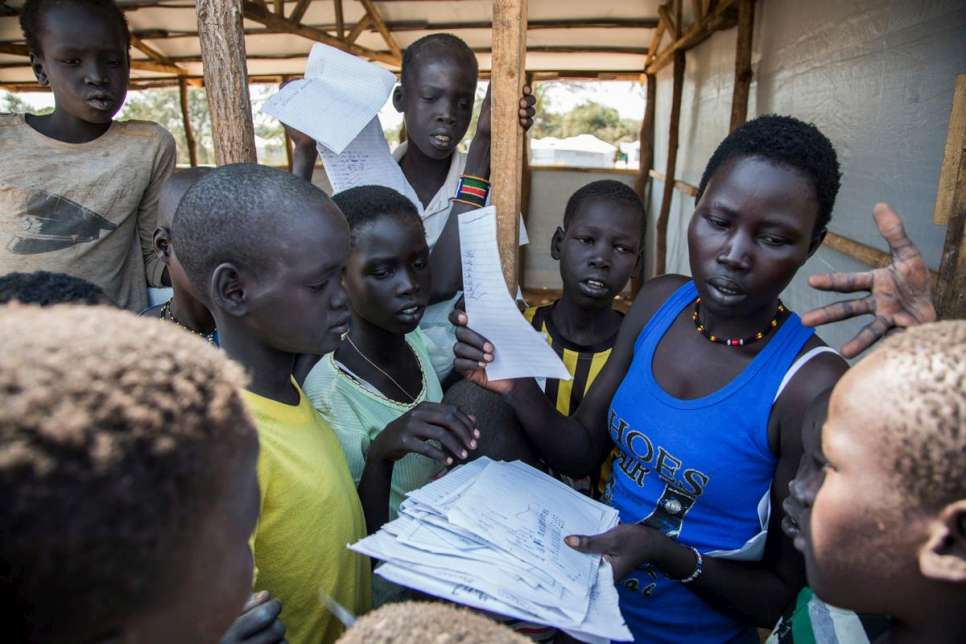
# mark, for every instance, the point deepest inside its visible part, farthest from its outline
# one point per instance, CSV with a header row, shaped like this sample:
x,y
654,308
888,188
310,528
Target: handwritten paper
x,y
338,97
367,161
504,551
519,350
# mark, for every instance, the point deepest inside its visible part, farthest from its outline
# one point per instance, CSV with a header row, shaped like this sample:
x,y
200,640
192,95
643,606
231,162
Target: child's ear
x,y
556,242
37,65
399,99
943,557
229,290
817,240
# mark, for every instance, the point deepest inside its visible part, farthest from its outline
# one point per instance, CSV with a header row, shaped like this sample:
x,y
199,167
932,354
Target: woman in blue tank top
x,y
707,442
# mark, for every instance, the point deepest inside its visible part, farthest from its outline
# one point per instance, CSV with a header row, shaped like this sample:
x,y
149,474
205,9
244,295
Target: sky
x,y
626,97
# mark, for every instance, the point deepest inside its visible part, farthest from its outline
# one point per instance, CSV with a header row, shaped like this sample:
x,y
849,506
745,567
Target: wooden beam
x,y
955,151
672,155
646,162
279,8
509,60
339,19
739,96
952,270
699,32
697,8
672,28
655,43
299,11
382,28
358,28
226,80
526,183
189,134
258,14
680,186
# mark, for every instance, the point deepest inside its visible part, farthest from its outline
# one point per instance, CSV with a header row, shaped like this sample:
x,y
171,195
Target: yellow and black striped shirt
x,y
584,364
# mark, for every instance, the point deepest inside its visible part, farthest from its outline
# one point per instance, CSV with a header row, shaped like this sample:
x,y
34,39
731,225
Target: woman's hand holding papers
x,y
472,353
629,545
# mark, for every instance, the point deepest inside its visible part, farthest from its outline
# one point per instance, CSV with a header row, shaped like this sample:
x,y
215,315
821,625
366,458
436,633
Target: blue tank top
x,y
699,471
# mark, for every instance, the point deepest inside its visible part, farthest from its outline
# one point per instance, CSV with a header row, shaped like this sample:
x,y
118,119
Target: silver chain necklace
x,y
412,398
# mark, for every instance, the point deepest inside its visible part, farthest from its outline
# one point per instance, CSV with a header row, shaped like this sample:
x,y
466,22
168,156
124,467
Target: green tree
x,y
13,104
163,106
603,122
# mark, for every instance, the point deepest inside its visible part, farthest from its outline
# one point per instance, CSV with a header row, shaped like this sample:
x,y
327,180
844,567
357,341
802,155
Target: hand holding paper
x,y
519,351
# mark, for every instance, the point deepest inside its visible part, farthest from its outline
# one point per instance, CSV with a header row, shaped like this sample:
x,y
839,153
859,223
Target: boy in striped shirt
x,y
599,248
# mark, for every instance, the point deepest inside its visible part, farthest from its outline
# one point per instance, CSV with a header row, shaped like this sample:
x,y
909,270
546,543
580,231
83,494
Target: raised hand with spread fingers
x,y
899,295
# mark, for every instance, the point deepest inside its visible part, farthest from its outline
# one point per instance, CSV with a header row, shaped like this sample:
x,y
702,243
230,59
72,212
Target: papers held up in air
x,y
520,351
490,535
339,96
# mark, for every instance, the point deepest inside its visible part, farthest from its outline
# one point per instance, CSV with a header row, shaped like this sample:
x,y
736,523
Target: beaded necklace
x,y
735,342
166,314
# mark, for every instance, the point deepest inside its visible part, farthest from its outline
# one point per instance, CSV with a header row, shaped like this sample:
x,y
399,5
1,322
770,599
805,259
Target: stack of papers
x,y
490,535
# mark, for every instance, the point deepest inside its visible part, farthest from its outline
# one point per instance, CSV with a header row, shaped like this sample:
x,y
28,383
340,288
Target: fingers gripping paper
x,y
519,350
339,96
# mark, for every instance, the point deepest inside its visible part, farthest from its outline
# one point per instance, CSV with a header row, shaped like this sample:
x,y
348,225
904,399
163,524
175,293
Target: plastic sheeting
x,y
876,77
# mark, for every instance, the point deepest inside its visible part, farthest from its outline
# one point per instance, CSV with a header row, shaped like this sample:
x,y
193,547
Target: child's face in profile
x,y
387,276
85,61
217,562
438,104
598,251
297,303
854,534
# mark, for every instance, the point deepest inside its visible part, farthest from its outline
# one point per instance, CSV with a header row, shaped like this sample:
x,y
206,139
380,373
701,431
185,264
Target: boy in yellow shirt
x,y
271,277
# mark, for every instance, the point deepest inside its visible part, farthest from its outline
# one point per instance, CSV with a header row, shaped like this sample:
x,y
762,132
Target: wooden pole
x,y
226,80
646,163
672,156
506,147
525,184
739,97
952,199
189,135
339,20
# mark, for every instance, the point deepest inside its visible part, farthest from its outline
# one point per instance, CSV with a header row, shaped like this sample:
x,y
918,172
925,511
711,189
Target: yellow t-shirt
x,y
310,512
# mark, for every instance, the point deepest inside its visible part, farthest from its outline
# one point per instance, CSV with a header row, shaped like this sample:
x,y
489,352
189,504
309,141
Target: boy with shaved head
x,y
882,522
183,309
271,277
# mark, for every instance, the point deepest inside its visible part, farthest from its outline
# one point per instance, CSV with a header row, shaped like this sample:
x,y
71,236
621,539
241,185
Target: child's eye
x,y
772,240
585,240
622,249
419,264
70,61
320,287
717,222
381,273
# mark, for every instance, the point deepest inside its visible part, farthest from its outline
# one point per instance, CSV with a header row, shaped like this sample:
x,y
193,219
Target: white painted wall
x,y
876,77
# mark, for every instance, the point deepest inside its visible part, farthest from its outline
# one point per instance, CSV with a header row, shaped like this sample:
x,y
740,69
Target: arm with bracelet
x,y
472,193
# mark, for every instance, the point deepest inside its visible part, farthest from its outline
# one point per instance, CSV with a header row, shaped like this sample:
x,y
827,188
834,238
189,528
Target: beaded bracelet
x,y
698,567
472,190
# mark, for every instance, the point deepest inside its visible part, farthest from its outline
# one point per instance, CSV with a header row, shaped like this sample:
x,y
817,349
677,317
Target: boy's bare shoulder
x,y
654,292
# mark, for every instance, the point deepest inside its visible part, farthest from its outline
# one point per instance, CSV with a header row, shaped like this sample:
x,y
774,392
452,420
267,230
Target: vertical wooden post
x,y
672,156
189,135
525,183
951,210
646,163
739,97
506,146
226,80
339,20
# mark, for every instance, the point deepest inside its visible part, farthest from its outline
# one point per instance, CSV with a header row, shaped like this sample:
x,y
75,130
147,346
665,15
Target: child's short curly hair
x,y
46,289
116,433
927,426
32,13
791,142
418,622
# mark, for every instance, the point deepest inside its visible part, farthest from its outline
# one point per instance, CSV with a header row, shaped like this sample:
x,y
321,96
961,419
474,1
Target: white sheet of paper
x,y
603,622
338,97
519,349
367,161
534,515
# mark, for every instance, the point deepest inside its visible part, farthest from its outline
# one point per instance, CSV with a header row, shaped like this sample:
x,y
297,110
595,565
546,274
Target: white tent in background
x,y
583,150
